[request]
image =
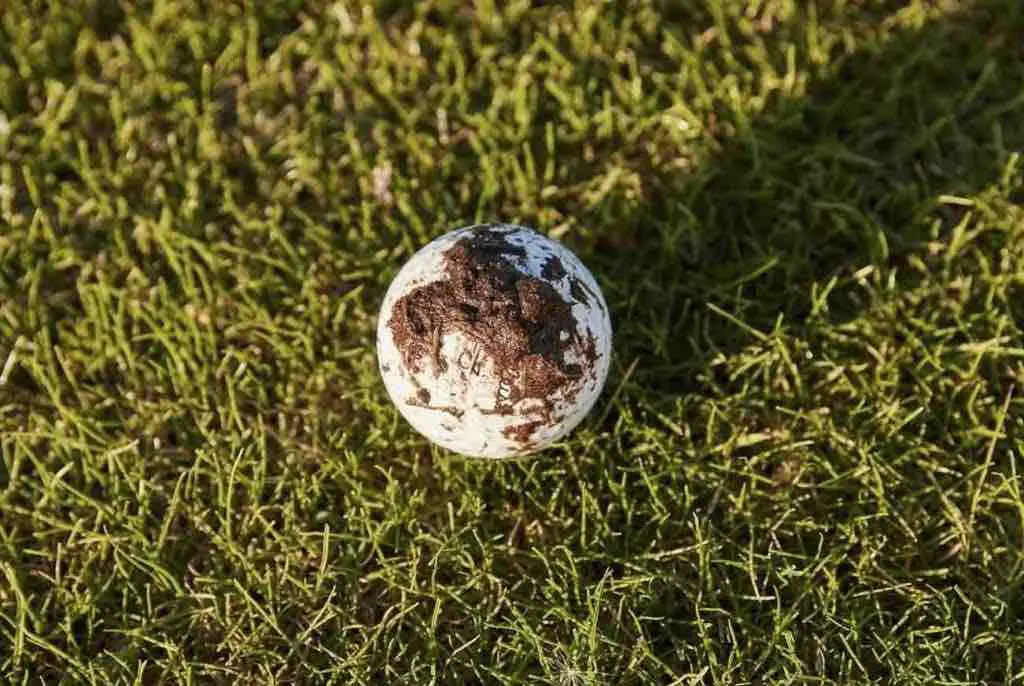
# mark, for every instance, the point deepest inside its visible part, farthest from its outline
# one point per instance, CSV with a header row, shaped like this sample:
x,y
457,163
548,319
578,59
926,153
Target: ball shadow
x,y
814,189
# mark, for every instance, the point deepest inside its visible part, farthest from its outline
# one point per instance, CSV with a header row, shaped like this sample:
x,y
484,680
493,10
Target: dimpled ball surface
x,y
494,341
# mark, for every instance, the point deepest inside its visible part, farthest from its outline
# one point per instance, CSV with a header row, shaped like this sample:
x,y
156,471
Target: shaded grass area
x,y
807,220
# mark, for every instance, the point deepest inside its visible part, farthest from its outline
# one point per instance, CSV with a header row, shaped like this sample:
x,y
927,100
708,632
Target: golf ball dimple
x,y
494,341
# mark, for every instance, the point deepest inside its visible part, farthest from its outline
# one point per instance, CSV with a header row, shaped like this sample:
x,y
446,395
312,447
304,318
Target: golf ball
x,y
494,341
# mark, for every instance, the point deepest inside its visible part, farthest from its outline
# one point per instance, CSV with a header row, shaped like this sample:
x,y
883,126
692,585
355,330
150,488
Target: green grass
x,y
808,219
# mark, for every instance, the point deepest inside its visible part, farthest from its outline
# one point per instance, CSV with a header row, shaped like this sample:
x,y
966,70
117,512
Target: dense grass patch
x,y
806,216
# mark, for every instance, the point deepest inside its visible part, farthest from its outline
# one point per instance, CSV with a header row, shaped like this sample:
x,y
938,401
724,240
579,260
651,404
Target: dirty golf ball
x,y
494,341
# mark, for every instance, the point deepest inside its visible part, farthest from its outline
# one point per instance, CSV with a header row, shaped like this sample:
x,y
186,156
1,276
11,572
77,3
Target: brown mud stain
x,y
522,433
519,322
576,289
553,270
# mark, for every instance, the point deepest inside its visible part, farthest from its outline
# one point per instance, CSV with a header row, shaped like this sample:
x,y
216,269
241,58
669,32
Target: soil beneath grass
x,y
518,321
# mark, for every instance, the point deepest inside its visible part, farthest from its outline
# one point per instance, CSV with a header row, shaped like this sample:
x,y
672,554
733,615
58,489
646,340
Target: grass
x,y
806,216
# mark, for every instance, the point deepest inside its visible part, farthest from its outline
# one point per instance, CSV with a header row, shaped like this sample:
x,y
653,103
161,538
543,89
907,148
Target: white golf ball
x,y
494,341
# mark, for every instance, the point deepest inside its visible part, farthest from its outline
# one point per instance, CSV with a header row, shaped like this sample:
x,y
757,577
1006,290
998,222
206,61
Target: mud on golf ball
x,y
494,341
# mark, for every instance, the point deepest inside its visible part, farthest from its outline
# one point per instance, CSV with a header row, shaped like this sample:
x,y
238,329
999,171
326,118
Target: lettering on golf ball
x,y
494,341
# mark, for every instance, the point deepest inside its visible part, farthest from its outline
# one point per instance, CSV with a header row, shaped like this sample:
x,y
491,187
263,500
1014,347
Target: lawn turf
x,y
807,220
